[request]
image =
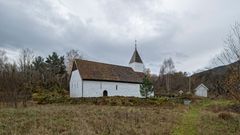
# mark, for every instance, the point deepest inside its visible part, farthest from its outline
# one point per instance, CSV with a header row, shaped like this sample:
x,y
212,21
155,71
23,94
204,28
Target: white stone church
x,y
94,79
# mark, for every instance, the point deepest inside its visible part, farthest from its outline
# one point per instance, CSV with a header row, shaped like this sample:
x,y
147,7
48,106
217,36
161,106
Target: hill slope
x,y
213,78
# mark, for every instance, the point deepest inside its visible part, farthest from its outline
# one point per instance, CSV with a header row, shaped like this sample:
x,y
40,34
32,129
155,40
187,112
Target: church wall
x,y
137,67
96,88
75,84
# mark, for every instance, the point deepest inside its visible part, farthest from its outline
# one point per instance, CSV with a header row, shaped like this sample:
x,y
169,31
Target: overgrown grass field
x,y
206,117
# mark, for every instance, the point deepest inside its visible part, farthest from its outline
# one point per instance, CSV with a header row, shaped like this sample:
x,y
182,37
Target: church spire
x,y
136,62
135,57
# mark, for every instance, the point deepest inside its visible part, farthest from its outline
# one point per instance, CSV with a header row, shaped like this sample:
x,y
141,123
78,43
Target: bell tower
x,y
136,62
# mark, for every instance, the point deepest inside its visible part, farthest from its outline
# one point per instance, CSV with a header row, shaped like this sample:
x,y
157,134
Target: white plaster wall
x,y
137,67
201,91
75,84
96,88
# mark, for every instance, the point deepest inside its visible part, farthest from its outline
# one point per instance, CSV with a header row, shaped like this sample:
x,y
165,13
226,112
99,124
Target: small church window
x,y
116,87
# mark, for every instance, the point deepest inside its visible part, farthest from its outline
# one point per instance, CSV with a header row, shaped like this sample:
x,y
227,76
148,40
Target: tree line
x,y
31,74
168,82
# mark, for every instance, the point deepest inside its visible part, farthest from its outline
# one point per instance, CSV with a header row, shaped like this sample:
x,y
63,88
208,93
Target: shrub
x,y
225,116
49,97
56,96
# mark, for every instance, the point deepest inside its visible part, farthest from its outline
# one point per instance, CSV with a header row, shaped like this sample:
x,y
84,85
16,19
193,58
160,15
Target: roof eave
x,y
112,81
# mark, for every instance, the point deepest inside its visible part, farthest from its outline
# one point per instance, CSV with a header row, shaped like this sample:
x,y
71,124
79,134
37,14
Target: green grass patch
x,y
195,118
188,123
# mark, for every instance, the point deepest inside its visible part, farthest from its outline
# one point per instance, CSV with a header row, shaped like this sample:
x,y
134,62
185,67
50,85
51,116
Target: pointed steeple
x,y
135,57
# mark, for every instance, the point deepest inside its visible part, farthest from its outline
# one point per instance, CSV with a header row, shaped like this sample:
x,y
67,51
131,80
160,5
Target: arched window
x,y
105,93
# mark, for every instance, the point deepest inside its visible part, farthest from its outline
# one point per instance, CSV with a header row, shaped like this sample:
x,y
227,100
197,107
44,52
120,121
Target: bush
x,y
121,101
49,97
61,96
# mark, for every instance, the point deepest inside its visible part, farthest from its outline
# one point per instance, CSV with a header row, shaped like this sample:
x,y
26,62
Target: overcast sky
x,y
190,31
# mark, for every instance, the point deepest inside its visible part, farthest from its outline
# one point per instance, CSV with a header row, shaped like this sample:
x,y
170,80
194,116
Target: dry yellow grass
x,y
89,120
215,124
219,119
203,117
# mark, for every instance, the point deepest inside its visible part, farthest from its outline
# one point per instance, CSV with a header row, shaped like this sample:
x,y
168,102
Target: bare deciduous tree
x,y
3,59
14,87
70,56
230,55
163,83
167,69
25,59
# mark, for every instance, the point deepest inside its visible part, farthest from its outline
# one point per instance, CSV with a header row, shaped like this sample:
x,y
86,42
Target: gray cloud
x,y
191,32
